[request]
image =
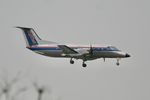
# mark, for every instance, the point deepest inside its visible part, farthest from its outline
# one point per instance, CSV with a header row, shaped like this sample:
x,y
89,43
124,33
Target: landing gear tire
x,y
84,65
117,63
71,61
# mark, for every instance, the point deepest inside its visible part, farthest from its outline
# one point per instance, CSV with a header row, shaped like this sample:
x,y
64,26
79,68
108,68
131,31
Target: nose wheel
x,y
117,63
118,59
71,61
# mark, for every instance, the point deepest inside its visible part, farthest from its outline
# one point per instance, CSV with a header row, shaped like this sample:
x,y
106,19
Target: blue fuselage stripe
x,y
58,49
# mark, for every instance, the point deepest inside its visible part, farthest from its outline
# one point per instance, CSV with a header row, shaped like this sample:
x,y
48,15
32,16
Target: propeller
x,y
91,50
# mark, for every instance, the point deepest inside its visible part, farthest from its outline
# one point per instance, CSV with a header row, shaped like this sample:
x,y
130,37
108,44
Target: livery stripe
x,y
57,48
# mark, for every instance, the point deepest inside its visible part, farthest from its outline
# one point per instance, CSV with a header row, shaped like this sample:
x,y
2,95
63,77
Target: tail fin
x,y
30,36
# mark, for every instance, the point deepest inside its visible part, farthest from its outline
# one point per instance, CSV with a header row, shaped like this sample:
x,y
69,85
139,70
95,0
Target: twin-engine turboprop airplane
x,y
83,52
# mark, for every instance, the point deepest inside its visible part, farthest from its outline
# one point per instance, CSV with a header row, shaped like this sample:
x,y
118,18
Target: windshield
x,y
113,48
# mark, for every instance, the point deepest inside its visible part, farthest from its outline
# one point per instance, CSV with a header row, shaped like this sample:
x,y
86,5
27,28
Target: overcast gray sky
x,y
122,23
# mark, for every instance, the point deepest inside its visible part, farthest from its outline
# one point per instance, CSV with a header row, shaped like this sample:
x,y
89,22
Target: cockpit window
x,y
113,48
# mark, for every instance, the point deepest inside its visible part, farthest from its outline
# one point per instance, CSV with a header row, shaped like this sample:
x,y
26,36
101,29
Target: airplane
x,y
83,52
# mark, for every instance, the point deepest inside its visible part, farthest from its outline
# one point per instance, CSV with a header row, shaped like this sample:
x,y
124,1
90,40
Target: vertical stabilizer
x,y
30,35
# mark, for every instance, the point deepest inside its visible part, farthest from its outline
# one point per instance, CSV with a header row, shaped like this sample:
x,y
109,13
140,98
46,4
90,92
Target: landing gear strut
x,y
71,61
104,59
118,62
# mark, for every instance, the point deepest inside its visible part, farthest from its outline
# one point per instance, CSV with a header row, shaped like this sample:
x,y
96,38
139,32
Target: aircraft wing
x,y
77,53
67,50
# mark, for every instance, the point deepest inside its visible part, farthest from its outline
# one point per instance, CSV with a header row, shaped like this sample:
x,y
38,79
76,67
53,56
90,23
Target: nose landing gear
x,y
118,59
117,63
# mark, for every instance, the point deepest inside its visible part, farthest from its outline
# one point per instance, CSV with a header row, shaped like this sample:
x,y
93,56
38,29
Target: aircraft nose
x,y
127,55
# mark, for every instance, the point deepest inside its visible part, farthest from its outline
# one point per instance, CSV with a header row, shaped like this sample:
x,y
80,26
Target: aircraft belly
x,y
97,54
50,53
105,54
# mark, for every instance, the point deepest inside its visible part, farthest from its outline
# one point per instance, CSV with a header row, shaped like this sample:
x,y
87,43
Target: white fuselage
x,y
98,51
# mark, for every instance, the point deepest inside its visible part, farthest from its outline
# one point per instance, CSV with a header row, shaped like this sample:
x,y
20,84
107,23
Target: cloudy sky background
x,y
122,23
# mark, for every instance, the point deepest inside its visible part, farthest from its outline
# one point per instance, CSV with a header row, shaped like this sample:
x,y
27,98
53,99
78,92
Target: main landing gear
x,y
71,61
83,64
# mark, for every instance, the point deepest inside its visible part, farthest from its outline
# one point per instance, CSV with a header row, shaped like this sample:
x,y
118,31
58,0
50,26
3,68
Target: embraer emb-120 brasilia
x,y
83,52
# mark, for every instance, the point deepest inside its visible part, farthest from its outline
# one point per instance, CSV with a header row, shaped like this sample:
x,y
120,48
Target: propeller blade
x,y
91,50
